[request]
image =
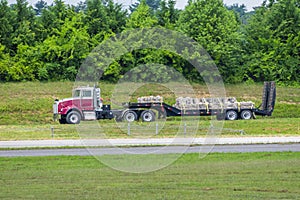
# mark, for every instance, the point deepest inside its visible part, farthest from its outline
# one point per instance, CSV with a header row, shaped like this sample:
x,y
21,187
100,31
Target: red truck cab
x,y
86,104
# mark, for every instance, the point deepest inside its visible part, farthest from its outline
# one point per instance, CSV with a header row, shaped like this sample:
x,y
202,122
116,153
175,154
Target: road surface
x,y
154,150
149,142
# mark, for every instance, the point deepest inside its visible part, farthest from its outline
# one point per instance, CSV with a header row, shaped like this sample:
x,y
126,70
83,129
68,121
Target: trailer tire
x,y
148,116
246,114
231,115
73,117
130,116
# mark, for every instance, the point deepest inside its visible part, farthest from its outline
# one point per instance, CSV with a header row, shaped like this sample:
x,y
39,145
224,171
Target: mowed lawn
x,y
217,176
30,103
170,128
26,111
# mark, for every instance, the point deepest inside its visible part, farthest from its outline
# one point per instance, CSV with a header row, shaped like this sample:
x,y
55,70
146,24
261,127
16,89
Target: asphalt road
x,y
148,142
154,150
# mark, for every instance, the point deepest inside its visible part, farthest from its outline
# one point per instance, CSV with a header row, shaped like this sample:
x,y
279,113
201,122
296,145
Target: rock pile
x,y
150,99
189,103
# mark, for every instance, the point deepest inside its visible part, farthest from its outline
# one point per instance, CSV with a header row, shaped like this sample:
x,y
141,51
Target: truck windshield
x,y
76,93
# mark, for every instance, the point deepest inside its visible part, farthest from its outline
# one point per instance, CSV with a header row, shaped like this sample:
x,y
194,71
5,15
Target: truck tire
x,y
246,114
130,116
148,116
62,120
73,117
231,115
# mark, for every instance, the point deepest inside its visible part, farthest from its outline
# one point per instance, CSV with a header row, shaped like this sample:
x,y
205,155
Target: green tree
x,y
63,52
23,28
7,24
239,9
141,17
241,12
116,15
39,6
167,14
153,4
81,6
214,27
5,62
272,43
96,18
104,18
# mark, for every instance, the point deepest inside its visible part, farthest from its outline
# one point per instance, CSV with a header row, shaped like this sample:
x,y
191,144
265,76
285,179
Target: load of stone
x,y
150,99
189,103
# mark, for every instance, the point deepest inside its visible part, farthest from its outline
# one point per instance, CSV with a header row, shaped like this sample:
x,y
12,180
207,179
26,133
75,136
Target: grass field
x,y
26,113
26,110
217,176
171,128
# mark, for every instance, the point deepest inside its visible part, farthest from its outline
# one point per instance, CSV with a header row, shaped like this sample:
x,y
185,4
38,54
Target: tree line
x,y
50,42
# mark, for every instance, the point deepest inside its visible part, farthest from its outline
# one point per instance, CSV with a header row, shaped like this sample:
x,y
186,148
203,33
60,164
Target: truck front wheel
x,y
73,117
62,119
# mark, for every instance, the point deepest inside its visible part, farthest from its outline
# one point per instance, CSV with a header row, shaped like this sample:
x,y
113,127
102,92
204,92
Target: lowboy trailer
x,y
86,104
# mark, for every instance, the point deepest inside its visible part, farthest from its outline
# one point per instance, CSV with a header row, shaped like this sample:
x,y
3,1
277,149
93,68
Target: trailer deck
x,y
140,109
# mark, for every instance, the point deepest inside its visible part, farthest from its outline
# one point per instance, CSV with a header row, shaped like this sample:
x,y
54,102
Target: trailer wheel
x,y
231,115
73,117
130,116
246,114
148,116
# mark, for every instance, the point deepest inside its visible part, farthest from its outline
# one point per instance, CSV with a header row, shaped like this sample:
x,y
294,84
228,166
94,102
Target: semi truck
x,y
87,104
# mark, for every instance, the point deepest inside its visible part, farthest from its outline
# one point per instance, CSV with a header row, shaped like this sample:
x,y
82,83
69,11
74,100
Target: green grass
x,y
171,128
31,102
26,110
217,176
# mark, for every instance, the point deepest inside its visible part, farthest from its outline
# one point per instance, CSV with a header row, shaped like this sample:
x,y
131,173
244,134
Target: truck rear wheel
x,y
73,117
148,116
246,114
130,116
231,115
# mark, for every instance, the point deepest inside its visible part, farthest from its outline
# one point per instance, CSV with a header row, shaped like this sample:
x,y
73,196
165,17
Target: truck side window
x,y
76,93
86,93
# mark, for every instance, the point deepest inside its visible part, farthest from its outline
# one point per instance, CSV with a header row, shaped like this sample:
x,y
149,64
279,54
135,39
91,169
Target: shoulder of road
x,y
182,141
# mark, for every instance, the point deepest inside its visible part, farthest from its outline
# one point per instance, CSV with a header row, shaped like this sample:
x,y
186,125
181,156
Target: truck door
x,y
86,100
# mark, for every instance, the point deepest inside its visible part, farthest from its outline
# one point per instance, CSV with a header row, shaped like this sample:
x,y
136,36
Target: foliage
x,y
215,28
141,17
153,5
272,43
167,14
50,42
